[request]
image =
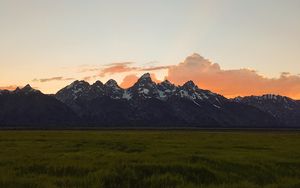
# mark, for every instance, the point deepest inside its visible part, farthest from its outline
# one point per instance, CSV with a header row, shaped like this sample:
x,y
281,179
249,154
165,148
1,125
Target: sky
x,y
233,47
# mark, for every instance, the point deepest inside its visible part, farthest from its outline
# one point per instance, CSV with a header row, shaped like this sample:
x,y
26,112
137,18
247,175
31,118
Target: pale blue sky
x,y
38,37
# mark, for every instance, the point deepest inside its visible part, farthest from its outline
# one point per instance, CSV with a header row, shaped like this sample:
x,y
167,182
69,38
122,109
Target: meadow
x,y
140,158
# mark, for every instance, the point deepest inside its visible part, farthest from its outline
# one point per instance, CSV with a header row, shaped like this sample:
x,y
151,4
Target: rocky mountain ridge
x,y
145,104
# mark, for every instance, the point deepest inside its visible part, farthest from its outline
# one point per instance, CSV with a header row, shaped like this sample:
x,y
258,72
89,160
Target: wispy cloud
x,y
119,63
153,68
58,78
124,67
114,68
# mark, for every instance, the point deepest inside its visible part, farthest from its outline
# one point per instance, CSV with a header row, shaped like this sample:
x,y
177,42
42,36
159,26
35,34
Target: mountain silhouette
x,y
145,104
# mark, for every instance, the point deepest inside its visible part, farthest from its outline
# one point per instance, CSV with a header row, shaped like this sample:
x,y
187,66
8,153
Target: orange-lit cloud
x,y
130,79
154,68
123,67
154,79
10,87
113,68
58,78
231,83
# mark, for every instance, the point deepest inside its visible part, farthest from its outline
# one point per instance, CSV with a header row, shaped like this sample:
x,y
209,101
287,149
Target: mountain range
x,y
145,104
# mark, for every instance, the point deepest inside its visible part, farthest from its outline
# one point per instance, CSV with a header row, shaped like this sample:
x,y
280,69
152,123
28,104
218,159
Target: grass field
x,y
149,159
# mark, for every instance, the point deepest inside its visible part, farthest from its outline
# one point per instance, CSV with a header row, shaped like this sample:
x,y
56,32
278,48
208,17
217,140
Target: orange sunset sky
x,y
232,47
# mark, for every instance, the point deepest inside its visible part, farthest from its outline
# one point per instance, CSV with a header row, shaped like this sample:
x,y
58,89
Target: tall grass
x,y
149,159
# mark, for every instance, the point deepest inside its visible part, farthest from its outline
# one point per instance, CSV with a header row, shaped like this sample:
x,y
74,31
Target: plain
x,y
149,158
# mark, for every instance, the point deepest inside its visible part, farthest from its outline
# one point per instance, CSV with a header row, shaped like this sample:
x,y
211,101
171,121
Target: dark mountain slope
x,y
29,107
284,109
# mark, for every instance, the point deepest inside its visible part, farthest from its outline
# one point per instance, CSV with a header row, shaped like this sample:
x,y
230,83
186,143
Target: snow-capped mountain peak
x,y
79,86
145,76
166,82
190,85
144,88
166,89
145,81
112,83
73,91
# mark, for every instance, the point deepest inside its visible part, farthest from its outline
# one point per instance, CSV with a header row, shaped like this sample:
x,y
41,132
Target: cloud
x,y
120,63
153,68
131,79
231,83
154,78
58,78
10,87
117,68
206,74
124,67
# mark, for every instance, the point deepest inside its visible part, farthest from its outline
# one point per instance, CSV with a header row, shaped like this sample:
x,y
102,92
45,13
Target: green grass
x,y
149,159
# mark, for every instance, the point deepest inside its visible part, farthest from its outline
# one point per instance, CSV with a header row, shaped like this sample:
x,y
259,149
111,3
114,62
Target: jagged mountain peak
x,y
79,82
264,97
144,88
166,86
27,89
76,86
268,100
113,90
285,109
98,83
73,91
145,78
190,85
145,81
166,82
273,97
112,83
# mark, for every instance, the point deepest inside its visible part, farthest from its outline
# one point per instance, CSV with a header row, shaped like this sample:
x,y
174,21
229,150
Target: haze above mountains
x,y
145,104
